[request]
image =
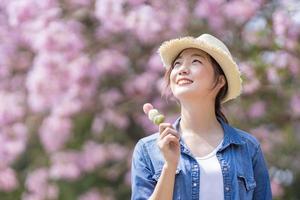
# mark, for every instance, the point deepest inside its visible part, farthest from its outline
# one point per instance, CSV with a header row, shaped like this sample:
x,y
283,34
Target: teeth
x,y
181,82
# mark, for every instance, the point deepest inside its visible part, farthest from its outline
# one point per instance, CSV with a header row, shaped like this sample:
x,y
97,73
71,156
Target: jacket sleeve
x,y
142,183
262,190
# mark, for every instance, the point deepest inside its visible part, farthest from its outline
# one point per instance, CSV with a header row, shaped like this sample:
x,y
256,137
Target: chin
x,y
184,94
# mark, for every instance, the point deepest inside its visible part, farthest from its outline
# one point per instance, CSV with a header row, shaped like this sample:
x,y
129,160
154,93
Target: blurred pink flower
x,y
92,156
247,69
268,136
8,180
94,194
180,18
54,132
110,97
254,32
286,27
111,14
13,141
251,86
117,152
65,165
205,9
98,125
60,36
240,11
127,178
140,84
27,10
136,2
294,66
111,62
257,109
115,118
38,186
145,22
42,95
281,22
273,76
212,12
37,181
11,107
155,64
295,104
73,84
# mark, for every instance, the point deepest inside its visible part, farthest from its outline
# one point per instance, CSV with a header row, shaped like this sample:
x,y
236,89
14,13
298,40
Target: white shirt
x,y
211,178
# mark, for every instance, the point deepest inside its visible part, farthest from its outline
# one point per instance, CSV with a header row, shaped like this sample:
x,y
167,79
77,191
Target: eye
x,y
194,61
176,63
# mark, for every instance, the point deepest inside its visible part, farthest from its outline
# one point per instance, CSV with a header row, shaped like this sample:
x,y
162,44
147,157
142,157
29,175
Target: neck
x,y
199,118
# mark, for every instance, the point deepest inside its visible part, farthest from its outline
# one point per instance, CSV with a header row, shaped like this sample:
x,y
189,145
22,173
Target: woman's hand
x,y
168,143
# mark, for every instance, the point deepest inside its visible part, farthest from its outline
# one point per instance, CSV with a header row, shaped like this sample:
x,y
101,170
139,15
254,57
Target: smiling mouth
x,y
184,82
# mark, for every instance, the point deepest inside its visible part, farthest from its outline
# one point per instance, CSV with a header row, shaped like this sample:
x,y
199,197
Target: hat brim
x,y
169,50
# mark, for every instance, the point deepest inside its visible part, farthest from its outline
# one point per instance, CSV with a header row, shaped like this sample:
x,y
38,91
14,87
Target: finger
x,y
171,139
163,126
168,131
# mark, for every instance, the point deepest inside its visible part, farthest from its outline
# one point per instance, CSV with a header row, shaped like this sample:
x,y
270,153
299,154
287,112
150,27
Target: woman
x,y
199,156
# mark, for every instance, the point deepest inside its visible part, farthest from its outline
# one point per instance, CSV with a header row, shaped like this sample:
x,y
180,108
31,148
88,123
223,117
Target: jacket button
x,y
227,188
195,184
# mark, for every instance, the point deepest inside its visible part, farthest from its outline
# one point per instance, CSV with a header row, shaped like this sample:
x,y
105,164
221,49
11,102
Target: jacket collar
x,y
230,136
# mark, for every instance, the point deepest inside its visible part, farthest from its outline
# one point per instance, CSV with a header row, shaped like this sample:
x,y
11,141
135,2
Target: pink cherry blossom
x,y
8,180
98,125
111,62
140,85
94,194
24,11
117,152
64,165
11,107
145,22
37,181
92,156
295,104
154,64
13,140
38,186
240,11
112,10
55,132
60,36
257,109
115,118
110,98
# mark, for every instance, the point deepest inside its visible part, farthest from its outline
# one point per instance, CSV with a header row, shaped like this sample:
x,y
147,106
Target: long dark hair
x,y
217,73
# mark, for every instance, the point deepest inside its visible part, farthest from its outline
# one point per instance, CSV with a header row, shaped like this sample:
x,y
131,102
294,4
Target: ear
x,y
221,81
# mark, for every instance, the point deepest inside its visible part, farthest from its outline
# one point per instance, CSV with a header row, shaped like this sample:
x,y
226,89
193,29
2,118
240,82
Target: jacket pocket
x,y
177,185
158,173
246,182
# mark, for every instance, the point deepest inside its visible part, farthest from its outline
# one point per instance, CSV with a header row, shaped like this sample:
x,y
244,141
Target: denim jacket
x,y
245,174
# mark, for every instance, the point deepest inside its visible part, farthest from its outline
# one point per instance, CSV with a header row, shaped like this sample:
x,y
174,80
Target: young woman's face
x,y
192,75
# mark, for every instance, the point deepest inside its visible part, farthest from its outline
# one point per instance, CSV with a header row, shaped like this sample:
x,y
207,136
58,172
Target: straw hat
x,y
169,50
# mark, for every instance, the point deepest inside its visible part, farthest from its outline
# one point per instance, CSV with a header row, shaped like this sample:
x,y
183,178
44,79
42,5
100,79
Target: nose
x,y
183,70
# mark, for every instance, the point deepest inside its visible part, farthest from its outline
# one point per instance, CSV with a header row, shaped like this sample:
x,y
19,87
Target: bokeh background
x,y
74,75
